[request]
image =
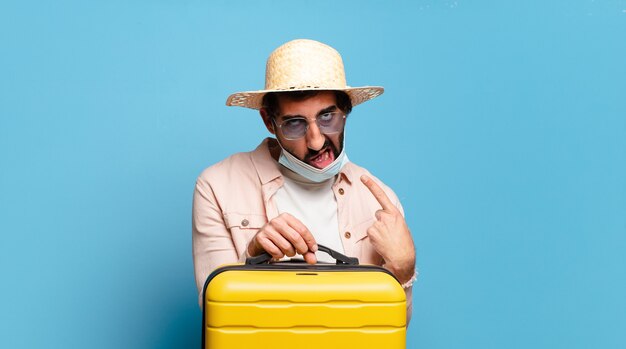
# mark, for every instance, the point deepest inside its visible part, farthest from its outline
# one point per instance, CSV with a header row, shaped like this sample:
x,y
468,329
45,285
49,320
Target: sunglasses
x,y
296,127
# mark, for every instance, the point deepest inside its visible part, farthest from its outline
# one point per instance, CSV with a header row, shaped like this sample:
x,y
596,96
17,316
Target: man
x,y
299,189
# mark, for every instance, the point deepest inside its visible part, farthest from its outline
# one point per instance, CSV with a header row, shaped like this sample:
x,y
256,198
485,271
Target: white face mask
x,y
312,173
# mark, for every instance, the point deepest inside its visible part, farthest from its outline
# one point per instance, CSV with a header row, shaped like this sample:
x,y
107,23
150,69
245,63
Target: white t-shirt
x,y
314,204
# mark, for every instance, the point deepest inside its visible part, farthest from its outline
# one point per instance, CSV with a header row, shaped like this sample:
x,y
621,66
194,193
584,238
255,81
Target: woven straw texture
x,y
302,65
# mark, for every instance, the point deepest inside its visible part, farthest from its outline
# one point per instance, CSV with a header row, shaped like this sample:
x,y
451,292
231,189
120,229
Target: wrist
x,y
411,281
404,272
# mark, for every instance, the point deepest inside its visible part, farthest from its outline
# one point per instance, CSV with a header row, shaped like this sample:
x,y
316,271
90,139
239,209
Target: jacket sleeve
x,y
211,239
409,290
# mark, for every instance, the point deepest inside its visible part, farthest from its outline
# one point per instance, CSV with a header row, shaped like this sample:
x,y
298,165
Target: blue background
x,y
502,130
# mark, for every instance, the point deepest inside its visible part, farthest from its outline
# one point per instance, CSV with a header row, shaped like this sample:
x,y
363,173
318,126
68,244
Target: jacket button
x,y
347,235
341,191
244,223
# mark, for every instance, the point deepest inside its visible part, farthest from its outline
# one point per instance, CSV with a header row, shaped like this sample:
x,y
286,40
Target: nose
x,y
314,138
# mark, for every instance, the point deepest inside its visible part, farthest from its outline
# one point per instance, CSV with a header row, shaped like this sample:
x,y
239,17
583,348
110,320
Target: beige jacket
x,y
234,198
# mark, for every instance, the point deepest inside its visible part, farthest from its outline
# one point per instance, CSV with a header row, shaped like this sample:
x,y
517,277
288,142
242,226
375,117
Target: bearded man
x,y
298,188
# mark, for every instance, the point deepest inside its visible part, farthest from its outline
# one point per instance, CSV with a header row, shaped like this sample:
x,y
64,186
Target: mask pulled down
x,y
312,173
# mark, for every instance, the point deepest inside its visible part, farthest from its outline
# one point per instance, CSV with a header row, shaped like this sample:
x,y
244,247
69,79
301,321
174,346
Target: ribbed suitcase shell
x,y
303,306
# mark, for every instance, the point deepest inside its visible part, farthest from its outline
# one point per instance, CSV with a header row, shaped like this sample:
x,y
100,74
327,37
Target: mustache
x,y
313,153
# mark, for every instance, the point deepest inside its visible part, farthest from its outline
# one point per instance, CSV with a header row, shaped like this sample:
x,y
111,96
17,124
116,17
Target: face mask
x,y
312,173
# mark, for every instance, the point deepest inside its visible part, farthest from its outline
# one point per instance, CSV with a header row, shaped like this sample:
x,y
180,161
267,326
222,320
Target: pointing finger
x,y
379,194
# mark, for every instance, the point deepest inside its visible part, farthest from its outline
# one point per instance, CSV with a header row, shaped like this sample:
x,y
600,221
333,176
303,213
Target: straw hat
x,y
301,65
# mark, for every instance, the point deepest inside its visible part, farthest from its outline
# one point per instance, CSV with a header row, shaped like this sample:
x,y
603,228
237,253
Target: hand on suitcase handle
x,y
284,235
341,258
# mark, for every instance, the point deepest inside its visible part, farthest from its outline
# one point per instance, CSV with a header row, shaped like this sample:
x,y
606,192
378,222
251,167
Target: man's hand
x,y
390,235
284,235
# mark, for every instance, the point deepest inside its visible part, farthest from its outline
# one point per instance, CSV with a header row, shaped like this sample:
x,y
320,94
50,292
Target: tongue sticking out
x,y
323,159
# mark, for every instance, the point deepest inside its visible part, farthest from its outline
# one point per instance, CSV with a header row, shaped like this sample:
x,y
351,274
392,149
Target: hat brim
x,y
253,99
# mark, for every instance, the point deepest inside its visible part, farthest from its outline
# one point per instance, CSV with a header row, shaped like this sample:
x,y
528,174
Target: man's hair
x,y
270,100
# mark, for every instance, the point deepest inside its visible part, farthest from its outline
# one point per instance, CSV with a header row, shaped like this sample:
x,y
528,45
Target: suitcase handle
x,y
339,257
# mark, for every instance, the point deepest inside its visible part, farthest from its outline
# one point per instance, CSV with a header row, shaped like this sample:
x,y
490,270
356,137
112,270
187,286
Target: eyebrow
x,y
323,111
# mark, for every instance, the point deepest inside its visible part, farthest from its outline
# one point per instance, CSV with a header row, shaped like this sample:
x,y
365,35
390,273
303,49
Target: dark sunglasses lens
x,y
294,128
330,122
327,120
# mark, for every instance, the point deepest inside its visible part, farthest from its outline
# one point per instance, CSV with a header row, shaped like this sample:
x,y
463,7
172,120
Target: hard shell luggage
x,y
297,305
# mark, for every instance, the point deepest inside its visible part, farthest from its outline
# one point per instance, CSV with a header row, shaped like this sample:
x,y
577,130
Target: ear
x,y
267,120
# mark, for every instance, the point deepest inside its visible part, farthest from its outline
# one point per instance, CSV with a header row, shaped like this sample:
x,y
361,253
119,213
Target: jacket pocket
x,y
243,227
360,230
363,246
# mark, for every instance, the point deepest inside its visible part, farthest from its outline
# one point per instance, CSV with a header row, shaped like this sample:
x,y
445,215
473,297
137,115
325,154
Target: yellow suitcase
x,y
297,305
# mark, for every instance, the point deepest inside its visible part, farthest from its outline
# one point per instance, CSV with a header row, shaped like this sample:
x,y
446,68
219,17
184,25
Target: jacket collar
x,y
266,167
